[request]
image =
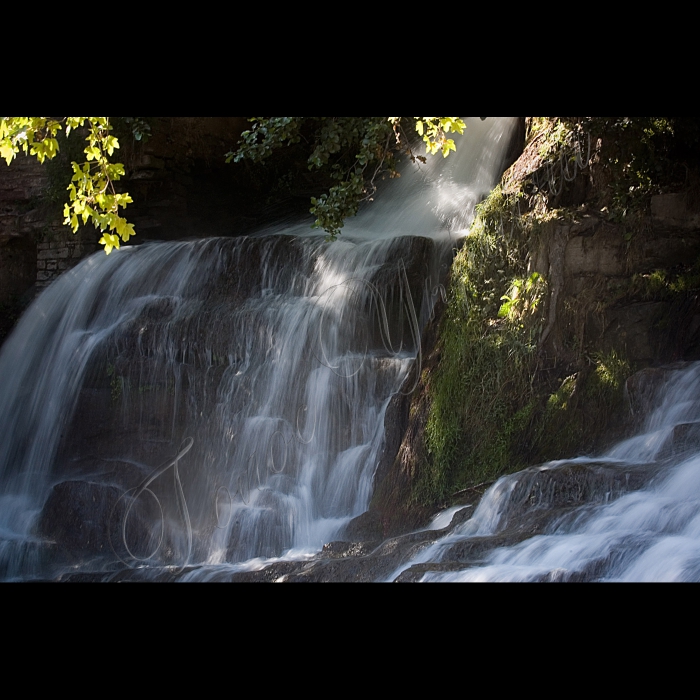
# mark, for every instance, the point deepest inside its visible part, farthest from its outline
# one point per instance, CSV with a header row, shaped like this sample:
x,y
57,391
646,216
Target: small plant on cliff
x,y
523,298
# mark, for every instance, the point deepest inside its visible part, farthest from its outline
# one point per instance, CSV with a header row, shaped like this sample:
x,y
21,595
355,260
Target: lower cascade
x,y
259,386
632,515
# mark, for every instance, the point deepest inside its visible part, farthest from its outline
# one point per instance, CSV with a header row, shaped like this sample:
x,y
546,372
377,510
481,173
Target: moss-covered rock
x,y
580,269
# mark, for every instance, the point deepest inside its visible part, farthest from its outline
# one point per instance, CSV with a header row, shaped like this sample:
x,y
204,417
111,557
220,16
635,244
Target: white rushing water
x,y
265,363
648,535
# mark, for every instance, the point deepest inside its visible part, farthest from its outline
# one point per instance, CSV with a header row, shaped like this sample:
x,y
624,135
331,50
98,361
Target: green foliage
x,y
522,300
433,131
643,155
140,128
92,195
355,151
611,372
586,405
665,285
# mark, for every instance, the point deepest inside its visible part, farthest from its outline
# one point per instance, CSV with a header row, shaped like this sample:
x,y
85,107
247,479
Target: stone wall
x,y
61,253
35,246
594,266
21,188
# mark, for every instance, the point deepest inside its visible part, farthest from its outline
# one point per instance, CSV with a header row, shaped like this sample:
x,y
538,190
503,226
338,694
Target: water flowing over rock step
x,y
276,354
18,554
373,568
684,440
537,508
592,572
269,352
368,564
544,500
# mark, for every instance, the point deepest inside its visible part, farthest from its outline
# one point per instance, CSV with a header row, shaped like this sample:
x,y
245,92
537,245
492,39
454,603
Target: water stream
x,y
632,514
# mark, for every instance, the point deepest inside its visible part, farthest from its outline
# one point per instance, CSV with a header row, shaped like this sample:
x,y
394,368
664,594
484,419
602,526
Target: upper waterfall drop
x,y
437,199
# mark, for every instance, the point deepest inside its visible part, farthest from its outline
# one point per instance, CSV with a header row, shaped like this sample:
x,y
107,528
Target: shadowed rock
x,y
85,519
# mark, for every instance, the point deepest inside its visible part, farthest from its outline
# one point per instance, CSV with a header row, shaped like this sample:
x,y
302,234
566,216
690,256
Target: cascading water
x,y
631,515
255,371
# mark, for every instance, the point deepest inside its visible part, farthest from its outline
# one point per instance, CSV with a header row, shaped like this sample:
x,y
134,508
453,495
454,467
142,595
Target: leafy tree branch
x,y
355,151
92,195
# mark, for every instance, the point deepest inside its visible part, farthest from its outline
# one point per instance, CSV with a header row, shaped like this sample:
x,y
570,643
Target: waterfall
x,y
218,402
632,514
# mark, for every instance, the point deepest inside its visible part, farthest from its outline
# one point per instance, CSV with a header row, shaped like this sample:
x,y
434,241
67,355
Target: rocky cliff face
x,y
611,292
180,182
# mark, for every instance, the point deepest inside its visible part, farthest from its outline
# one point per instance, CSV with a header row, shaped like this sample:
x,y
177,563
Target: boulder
x,y
84,519
643,388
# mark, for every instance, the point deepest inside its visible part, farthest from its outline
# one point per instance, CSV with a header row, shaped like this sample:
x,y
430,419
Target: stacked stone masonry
x,y
53,259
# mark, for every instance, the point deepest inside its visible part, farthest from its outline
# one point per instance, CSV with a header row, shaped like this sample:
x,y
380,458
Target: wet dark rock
x,y
84,519
643,388
401,457
276,573
343,562
366,528
410,255
396,422
464,515
76,516
570,485
374,567
344,550
685,439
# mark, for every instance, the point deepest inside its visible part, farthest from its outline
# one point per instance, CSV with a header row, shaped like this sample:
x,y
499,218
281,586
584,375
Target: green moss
x,y
584,407
665,285
482,400
118,383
